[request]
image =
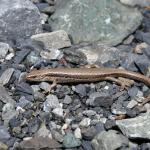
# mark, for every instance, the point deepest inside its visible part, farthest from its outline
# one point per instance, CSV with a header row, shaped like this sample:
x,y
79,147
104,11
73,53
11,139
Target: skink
x,y
74,75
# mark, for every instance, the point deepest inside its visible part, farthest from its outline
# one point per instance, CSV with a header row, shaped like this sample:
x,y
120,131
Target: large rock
x,y
141,3
104,21
18,19
136,128
110,140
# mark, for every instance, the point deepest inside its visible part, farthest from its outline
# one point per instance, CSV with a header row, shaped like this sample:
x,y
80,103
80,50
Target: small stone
x,y
8,112
89,113
67,100
77,133
70,141
35,88
4,134
43,132
54,54
110,124
85,122
133,91
88,133
48,10
57,136
87,145
4,47
81,90
99,127
100,99
3,146
45,86
6,76
53,40
51,103
4,96
140,47
135,128
109,140
44,18
58,112
23,102
9,56
132,104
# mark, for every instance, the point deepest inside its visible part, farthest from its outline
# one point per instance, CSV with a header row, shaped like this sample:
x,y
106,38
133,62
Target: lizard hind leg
x,y
123,82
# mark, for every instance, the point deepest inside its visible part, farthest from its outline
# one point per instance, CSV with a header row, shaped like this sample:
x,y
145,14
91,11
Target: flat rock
x,y
110,140
19,19
6,76
4,96
37,143
104,21
53,40
136,127
4,134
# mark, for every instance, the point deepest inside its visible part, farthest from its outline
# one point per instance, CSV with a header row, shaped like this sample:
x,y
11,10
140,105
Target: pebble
x,y
6,76
4,48
102,99
54,54
58,112
23,102
89,113
80,89
67,100
88,133
85,122
110,124
45,86
51,103
35,88
70,141
57,136
9,56
77,133
132,104
133,91
87,145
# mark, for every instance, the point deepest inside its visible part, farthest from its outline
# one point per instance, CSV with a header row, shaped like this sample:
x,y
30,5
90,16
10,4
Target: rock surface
x,y
54,40
18,19
107,21
136,2
136,128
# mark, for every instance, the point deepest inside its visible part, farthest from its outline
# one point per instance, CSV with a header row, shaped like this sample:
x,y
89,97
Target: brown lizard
x,y
76,75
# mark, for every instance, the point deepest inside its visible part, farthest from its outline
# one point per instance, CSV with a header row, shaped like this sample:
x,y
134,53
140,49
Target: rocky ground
x,y
62,33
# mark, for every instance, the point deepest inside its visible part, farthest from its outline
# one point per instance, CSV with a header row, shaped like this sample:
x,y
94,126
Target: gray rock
x,y
4,96
70,141
103,21
57,136
4,47
45,86
4,134
6,76
77,133
58,112
85,122
19,19
110,140
98,53
80,89
100,99
136,2
89,113
54,54
53,40
51,103
67,99
136,127
132,104
23,102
